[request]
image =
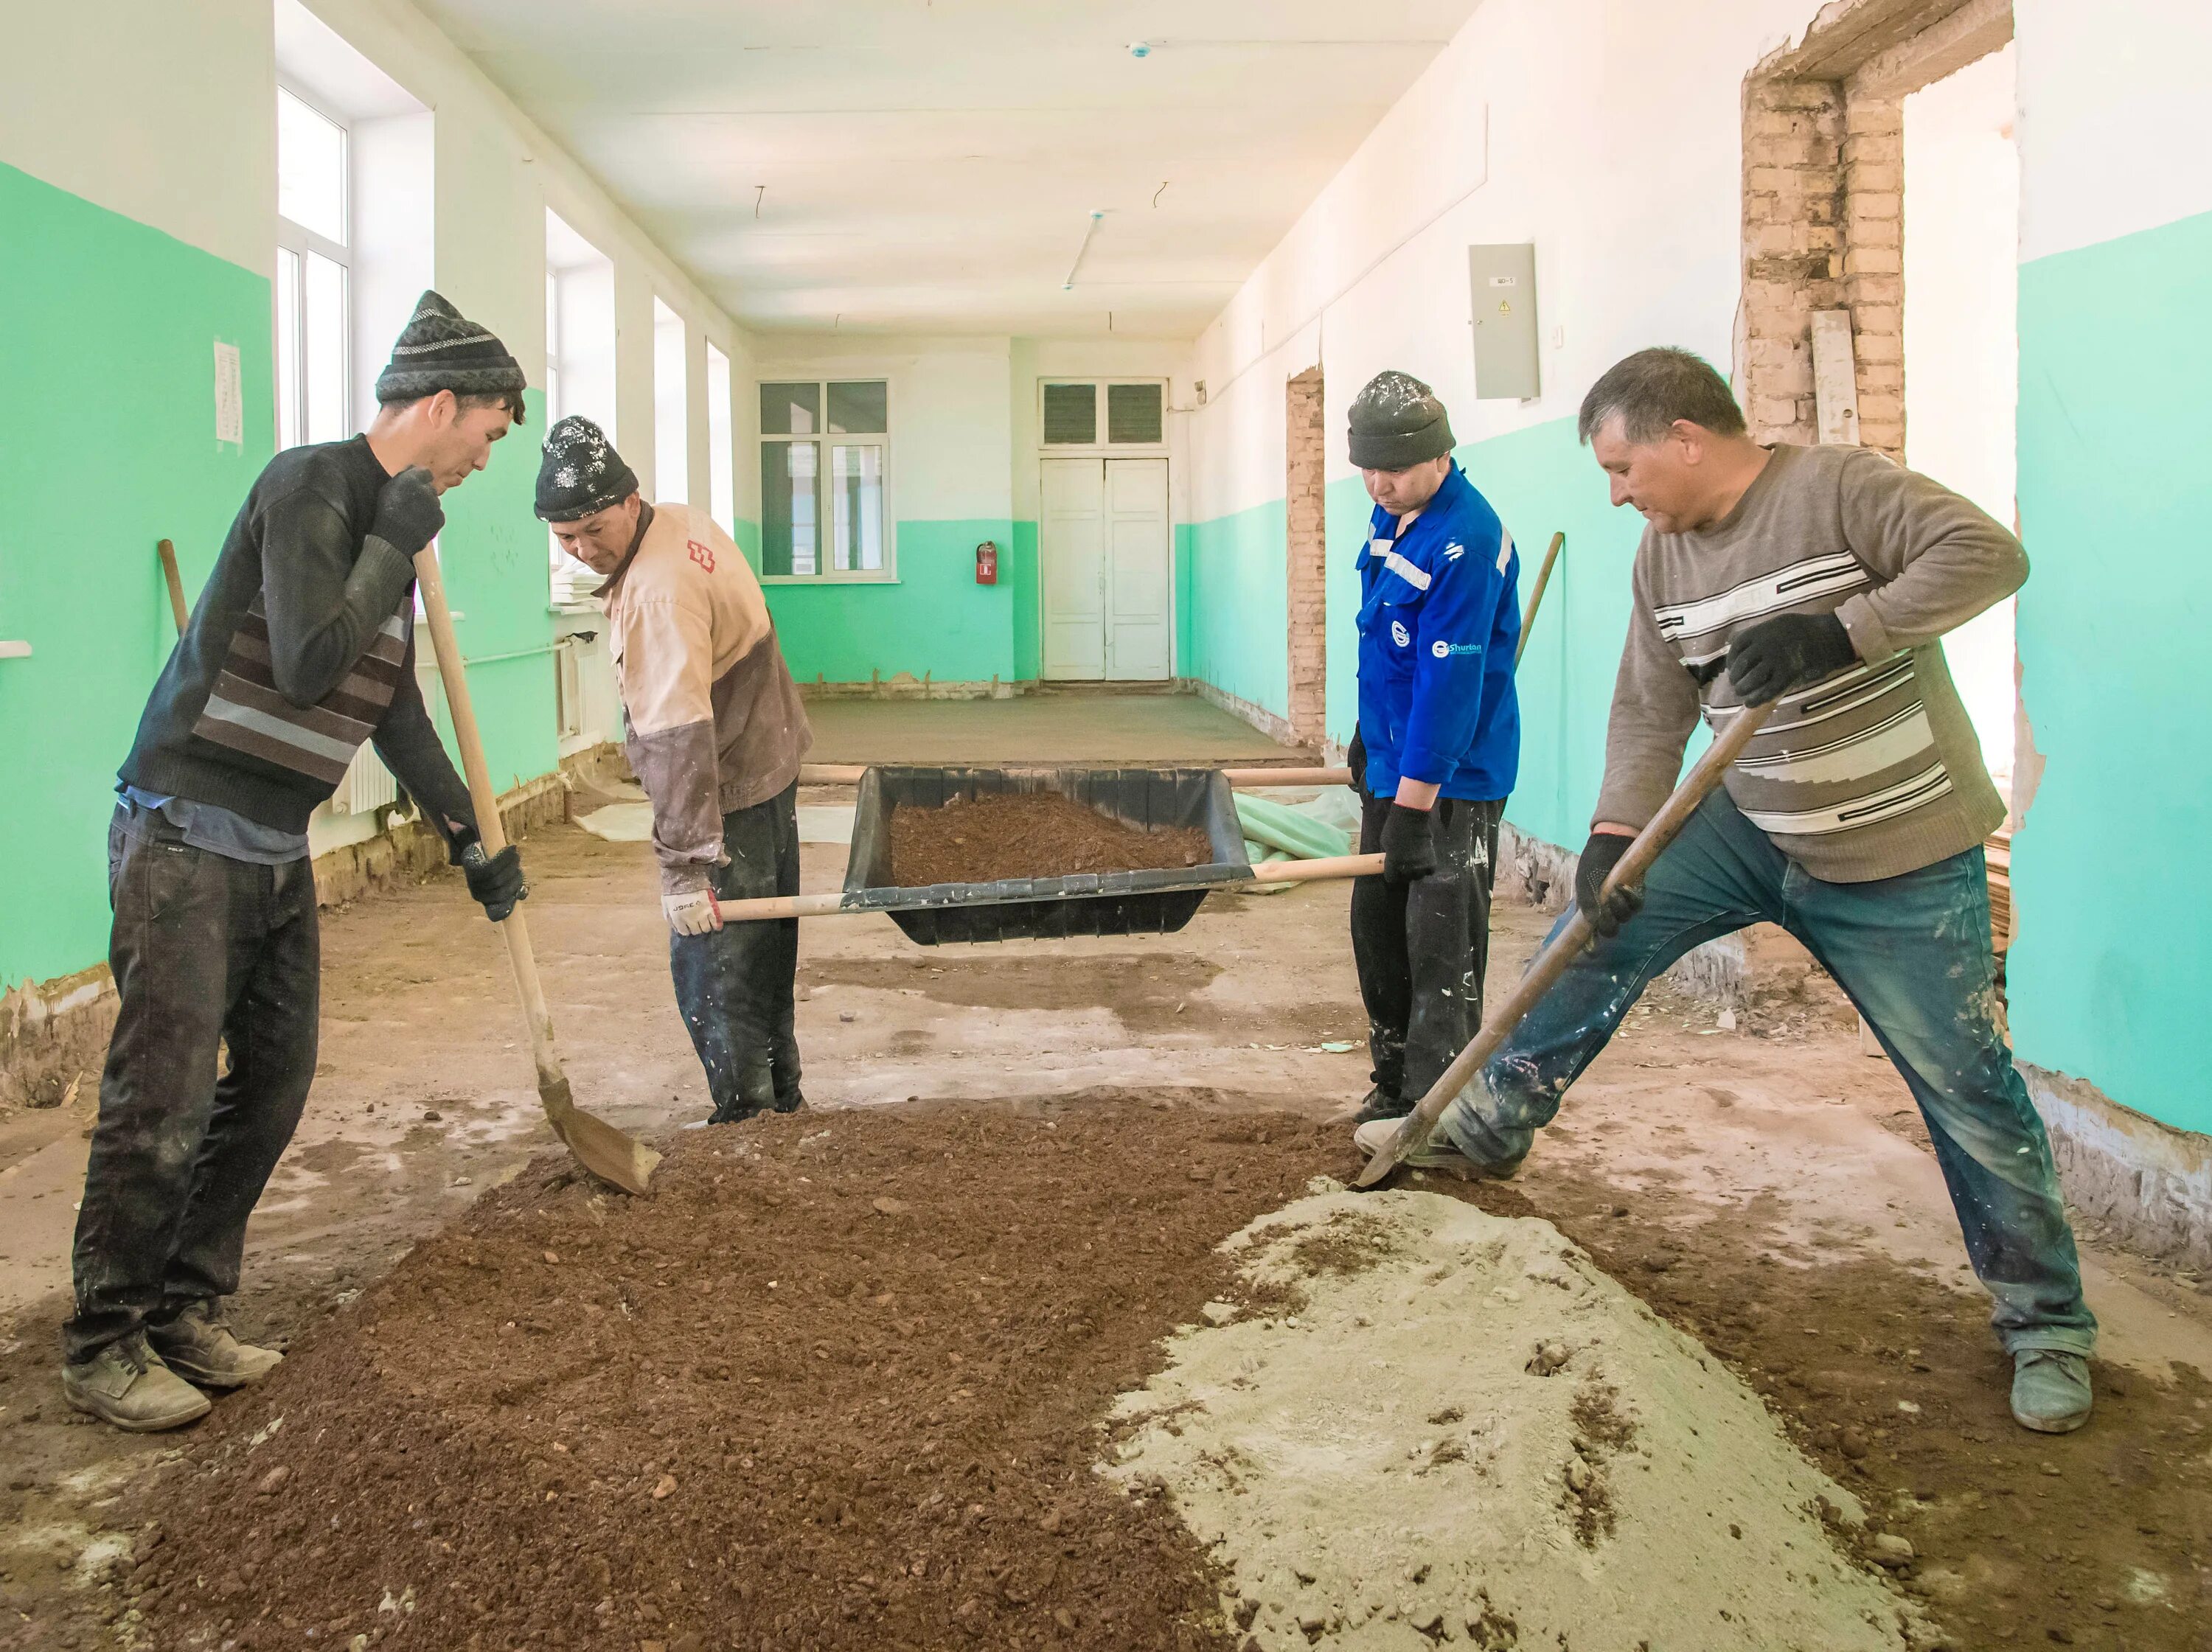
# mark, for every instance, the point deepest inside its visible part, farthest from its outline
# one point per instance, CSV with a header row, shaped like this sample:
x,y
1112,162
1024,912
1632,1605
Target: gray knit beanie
x,y
442,349
1396,423
581,472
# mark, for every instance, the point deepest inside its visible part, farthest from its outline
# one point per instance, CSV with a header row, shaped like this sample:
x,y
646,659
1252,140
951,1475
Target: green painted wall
x,y
108,330
2110,974
934,620
1232,610
1029,597
493,554
1232,605
1542,481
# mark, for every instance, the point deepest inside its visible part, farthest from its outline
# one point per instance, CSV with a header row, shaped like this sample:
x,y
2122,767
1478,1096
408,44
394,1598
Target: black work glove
x,y
1599,856
494,880
1768,659
1355,759
408,514
1408,851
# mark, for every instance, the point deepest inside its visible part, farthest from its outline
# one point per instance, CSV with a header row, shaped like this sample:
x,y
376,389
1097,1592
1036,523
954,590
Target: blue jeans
x,y
1914,955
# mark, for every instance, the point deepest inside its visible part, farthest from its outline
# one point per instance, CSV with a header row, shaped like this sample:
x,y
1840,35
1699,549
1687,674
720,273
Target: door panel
x,y
1072,552
1140,629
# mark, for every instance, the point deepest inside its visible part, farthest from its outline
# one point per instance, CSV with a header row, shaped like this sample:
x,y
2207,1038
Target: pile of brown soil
x,y
837,1385
1029,834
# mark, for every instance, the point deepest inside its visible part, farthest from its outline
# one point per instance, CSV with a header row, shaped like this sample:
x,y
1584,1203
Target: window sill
x,y
829,578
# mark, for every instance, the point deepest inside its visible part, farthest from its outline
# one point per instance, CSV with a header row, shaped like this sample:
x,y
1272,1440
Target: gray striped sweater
x,y
300,649
1874,771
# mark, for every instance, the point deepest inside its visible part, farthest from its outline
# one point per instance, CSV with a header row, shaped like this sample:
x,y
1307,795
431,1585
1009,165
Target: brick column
x,y
1305,448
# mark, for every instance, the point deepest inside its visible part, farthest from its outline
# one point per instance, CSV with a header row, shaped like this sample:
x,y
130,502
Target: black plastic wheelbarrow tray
x,y
1155,903
1037,908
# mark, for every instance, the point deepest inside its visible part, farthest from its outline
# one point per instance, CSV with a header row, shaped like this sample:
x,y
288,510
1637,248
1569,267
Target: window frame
x,y
1098,446
299,240
825,439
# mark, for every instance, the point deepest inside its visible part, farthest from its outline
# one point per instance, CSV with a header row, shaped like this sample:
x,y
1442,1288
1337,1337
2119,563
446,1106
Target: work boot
x,y
198,1345
795,1103
1439,1152
2050,1390
125,1383
1381,1104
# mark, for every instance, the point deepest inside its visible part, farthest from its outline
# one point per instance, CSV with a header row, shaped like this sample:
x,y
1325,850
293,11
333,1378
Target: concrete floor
x,y
1075,727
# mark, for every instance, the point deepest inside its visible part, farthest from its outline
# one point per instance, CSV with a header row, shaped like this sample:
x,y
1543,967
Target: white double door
x,y
1103,551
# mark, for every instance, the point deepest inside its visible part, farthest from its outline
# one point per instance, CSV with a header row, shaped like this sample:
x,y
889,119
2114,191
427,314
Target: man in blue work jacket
x,y
1439,737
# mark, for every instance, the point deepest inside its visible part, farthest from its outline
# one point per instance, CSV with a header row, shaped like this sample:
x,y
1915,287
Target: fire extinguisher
x,y
987,562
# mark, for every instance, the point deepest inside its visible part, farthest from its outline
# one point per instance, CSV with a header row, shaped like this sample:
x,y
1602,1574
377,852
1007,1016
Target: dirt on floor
x,y
1765,1187
836,1385
1029,834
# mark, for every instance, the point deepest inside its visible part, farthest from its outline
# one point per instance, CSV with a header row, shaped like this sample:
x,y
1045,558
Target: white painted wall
x,y
1609,135
1962,340
2113,134
174,131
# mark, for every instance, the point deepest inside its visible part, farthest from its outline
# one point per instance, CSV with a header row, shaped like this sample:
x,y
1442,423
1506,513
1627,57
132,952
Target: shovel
x,y
1536,596
615,1158
1551,962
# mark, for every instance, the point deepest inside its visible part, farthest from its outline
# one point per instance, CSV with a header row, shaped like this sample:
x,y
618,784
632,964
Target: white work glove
x,y
692,913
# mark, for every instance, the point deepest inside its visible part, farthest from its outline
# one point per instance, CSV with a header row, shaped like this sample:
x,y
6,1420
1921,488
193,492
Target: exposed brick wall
x,y
1305,444
1823,202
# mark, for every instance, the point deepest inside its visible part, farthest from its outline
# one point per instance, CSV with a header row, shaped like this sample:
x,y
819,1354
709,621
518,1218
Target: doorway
x,y
1102,551
1961,343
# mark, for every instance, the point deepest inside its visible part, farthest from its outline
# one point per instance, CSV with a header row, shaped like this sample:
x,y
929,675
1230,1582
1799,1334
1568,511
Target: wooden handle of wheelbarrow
x,y
837,903
177,608
1552,961
601,1149
849,774
1536,596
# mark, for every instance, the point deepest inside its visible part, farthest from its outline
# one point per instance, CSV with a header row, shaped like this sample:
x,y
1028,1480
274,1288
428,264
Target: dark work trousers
x,y
1420,947
733,984
207,950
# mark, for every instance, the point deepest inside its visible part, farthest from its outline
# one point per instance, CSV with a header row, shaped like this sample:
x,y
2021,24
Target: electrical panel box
x,y
1504,279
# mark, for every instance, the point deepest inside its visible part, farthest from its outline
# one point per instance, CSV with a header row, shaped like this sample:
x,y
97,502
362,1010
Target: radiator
x,y
367,787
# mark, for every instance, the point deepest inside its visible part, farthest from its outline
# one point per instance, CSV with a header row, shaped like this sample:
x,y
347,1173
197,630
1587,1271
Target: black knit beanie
x,y
442,349
1396,423
581,472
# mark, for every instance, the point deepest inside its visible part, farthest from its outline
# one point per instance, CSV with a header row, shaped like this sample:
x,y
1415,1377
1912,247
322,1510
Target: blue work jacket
x,y
1438,622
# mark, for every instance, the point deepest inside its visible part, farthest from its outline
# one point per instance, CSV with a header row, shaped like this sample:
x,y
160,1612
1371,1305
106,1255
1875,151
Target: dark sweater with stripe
x,y
300,648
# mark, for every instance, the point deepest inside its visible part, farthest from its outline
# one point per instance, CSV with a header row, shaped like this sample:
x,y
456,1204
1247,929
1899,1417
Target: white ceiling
x,y
933,165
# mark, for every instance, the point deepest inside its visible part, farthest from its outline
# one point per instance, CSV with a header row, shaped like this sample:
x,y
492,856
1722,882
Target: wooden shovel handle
x,y
177,608
454,673
1552,961
1536,596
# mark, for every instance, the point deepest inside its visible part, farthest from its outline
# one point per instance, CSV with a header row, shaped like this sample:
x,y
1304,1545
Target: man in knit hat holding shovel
x,y
1439,737
300,649
714,730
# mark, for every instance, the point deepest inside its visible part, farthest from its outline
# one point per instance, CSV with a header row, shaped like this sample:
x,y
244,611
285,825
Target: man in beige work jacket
x,y
713,728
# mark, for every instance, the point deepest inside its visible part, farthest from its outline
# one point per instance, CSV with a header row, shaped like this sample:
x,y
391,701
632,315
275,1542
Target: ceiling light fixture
x,y
1089,230
1140,48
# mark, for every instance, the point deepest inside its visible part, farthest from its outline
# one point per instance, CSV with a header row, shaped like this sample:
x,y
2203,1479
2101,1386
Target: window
x,y
580,363
1130,413
671,409
721,456
314,325
822,449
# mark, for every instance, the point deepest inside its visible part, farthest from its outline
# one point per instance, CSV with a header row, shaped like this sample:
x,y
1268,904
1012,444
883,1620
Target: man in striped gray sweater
x,y
300,649
1822,577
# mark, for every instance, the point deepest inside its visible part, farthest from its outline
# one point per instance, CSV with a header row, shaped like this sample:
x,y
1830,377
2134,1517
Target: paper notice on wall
x,y
229,395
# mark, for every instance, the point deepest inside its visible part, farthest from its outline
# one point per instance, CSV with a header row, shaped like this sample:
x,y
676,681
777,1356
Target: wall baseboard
x,y
1276,728
2149,1181
905,685
53,1034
